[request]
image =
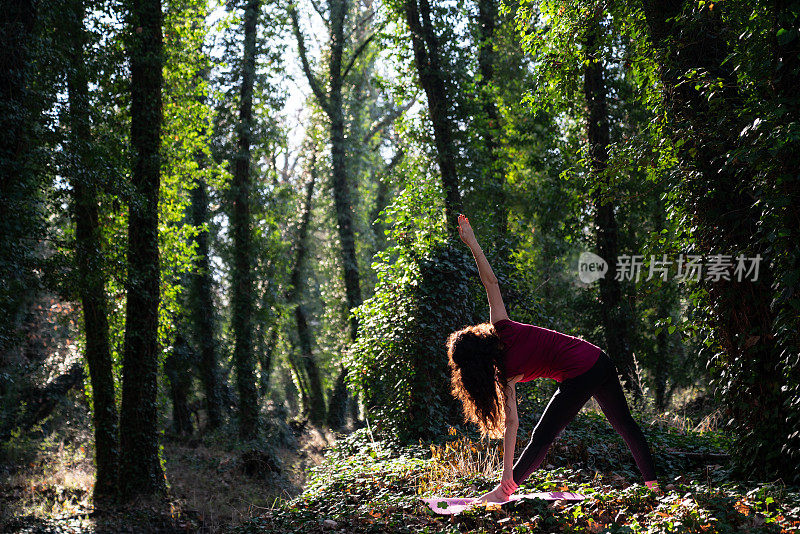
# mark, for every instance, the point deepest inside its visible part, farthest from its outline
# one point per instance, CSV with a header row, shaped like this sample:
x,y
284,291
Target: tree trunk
x,y
432,78
719,196
615,320
90,266
242,300
17,182
332,104
342,194
337,409
176,366
382,200
663,358
344,215
300,379
667,305
786,75
140,471
265,362
316,394
487,21
203,309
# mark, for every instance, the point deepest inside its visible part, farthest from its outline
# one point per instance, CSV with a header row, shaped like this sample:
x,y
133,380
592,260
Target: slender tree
x,y
242,300
89,261
177,366
332,103
265,361
140,471
432,77
202,303
316,395
615,320
495,178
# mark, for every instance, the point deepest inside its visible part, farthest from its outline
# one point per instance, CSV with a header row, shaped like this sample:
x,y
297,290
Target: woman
x,y
488,360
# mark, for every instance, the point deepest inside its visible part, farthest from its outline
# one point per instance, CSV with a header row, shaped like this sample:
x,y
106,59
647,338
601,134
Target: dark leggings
x,y
600,382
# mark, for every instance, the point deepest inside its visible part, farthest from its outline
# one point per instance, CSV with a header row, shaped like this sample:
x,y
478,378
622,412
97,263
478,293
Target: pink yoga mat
x,y
450,506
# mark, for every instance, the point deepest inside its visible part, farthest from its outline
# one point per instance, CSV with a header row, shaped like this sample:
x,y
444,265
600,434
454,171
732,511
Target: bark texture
x,y
89,263
615,318
176,367
140,471
242,299
202,311
17,182
432,77
495,179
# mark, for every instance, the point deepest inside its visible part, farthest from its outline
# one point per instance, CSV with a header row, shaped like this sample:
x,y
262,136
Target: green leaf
x,y
784,36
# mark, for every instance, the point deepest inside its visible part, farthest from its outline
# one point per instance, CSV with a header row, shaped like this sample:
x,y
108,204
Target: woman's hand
x,y
465,231
507,485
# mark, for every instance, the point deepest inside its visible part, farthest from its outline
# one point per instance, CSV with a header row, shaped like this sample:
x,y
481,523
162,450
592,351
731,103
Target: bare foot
x,y
492,497
653,486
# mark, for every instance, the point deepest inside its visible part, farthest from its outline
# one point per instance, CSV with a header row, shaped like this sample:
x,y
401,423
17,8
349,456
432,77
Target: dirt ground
x,y
210,488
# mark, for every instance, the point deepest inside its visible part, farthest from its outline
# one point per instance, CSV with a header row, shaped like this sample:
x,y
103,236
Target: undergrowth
x,y
369,485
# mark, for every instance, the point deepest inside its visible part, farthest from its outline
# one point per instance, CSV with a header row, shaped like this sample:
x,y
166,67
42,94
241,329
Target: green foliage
x,y
765,56
733,123
185,141
369,485
399,361
425,289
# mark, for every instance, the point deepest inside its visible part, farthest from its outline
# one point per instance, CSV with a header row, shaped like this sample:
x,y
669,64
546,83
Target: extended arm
x,y
510,437
497,309
507,486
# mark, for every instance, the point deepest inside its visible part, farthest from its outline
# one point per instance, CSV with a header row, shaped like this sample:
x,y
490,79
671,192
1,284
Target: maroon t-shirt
x,y
537,352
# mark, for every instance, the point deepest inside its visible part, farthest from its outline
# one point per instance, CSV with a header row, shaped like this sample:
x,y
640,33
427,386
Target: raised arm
x,y
497,309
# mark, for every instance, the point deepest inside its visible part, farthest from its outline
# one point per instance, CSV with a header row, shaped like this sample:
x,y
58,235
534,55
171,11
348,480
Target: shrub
x,y
399,361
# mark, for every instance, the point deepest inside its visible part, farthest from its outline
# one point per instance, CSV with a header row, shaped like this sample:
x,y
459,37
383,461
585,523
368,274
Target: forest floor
x,y
372,486
360,484
46,479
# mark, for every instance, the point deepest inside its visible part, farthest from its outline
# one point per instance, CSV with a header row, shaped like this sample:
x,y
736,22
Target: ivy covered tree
x,y
20,106
242,282
343,56
711,113
140,469
89,259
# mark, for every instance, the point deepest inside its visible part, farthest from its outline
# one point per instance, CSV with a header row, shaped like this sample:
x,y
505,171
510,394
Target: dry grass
x,y
58,481
677,417
208,490
461,459
684,425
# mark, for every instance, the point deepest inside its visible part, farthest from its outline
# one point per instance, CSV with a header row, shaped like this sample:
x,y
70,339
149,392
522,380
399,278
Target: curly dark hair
x,y
478,376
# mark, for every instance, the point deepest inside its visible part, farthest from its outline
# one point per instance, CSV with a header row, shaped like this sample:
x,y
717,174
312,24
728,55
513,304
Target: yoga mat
x,y
450,506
